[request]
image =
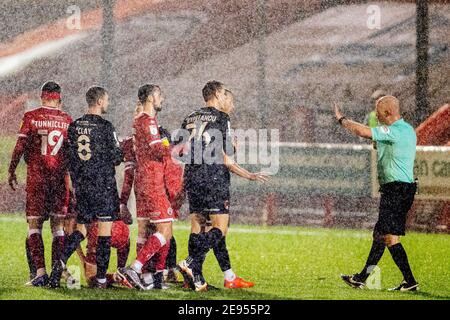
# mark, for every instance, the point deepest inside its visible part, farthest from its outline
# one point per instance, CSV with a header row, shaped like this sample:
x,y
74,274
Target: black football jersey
x,y
210,137
93,153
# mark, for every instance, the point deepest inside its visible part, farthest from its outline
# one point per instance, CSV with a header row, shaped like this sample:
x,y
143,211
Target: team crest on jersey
x,y
170,211
153,130
385,129
226,205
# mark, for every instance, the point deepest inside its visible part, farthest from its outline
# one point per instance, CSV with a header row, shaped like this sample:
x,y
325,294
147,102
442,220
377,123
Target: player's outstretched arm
x,y
17,154
237,169
352,126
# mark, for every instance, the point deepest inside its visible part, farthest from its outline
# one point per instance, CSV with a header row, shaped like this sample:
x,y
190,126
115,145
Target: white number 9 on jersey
x,y
48,140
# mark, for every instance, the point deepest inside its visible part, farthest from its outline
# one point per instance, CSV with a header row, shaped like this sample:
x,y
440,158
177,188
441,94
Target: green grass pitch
x,y
285,263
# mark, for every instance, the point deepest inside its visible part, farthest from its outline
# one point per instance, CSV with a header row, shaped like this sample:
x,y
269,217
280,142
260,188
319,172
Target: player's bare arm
x,y
238,170
18,152
350,125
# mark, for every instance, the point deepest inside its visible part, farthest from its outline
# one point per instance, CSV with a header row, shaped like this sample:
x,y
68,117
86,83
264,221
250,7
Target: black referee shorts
x,y
395,202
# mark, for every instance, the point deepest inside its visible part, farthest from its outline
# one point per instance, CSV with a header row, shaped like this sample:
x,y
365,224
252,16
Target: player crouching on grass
x,y
120,240
208,184
41,142
154,210
396,151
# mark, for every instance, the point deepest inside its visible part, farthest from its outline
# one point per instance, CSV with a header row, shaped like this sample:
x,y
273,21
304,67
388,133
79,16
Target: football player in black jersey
x,y
209,161
93,152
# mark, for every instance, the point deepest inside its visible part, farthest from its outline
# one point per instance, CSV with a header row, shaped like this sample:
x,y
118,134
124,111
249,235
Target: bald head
x,y
388,109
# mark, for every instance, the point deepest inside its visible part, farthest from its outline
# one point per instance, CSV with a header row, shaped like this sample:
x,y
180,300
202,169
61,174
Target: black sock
x,y
122,255
158,279
207,241
194,244
171,260
200,247
400,258
30,260
213,237
376,252
103,254
71,244
222,256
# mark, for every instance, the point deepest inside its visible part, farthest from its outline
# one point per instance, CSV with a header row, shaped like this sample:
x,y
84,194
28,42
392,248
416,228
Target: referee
x,y
396,148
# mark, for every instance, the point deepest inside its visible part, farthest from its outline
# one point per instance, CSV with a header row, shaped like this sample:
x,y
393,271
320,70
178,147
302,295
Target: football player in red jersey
x,y
41,142
120,240
173,182
154,211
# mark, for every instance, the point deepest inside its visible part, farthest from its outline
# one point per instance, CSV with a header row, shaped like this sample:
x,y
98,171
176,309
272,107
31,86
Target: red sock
x,y
147,266
122,255
150,266
151,246
110,279
57,248
139,247
91,256
37,250
161,262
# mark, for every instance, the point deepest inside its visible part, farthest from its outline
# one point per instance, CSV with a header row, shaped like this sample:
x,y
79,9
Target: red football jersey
x,y
128,151
173,177
149,152
130,164
151,198
45,130
120,237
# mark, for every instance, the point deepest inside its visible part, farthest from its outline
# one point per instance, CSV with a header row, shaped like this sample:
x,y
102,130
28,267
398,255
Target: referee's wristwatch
x,y
341,119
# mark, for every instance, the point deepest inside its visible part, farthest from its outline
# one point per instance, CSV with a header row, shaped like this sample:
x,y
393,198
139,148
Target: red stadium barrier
x,y
10,113
435,130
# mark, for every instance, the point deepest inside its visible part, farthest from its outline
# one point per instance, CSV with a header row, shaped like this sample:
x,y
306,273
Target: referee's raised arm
x,y
352,126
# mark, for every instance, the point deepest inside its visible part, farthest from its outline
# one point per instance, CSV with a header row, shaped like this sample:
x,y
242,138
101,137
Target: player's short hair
x,y
210,88
51,86
147,90
94,94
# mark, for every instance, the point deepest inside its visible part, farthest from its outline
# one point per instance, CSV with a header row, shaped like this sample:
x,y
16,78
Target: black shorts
x,y
97,204
209,200
395,202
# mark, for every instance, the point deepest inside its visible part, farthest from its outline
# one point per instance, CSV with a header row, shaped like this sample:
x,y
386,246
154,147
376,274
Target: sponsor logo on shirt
x,y
385,129
153,130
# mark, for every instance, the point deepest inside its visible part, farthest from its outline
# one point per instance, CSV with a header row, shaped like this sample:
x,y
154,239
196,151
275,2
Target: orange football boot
x,y
238,283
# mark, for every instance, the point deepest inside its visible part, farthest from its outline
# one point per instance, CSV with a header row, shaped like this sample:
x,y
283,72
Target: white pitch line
x,y
267,230
290,232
